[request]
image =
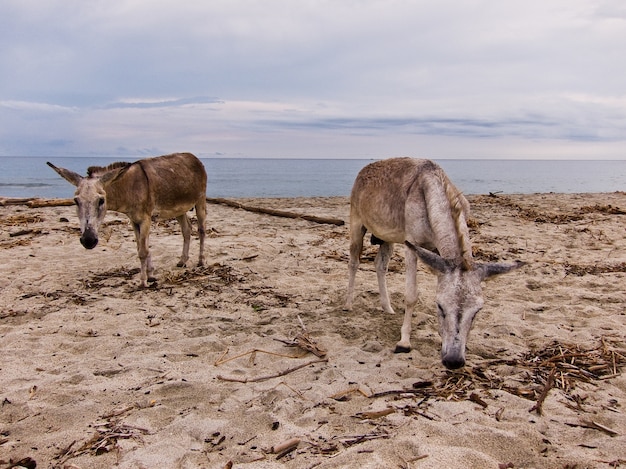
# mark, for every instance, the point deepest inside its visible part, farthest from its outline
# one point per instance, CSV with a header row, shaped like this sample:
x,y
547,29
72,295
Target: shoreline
x,y
194,372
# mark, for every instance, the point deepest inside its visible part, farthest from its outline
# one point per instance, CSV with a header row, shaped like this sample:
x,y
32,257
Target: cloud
x,y
161,103
217,74
28,106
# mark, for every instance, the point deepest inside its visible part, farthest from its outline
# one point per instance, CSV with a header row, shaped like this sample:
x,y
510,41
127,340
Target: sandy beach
x,y
251,362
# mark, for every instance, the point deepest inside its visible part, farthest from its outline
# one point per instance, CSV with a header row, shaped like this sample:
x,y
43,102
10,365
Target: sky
x,y
314,78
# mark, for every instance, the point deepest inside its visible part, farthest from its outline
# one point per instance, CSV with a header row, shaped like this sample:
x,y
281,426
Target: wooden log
x,y
38,203
14,201
34,202
276,213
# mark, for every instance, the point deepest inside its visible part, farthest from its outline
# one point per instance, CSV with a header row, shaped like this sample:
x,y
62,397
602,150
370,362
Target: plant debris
x,y
560,366
595,269
103,441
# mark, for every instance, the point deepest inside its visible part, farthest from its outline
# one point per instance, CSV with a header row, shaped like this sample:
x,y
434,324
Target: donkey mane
x,y
94,171
460,209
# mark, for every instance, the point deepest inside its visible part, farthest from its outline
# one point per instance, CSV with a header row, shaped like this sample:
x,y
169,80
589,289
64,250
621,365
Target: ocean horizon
x,y
23,177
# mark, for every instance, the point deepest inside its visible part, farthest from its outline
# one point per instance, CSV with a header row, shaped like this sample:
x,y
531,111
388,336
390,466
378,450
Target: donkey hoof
x,y
402,349
181,264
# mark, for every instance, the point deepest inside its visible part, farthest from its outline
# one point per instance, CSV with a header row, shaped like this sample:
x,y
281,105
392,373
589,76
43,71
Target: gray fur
x,y
412,201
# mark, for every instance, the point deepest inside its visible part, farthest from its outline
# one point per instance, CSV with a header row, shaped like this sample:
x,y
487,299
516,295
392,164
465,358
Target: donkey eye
x,y
76,201
440,310
101,201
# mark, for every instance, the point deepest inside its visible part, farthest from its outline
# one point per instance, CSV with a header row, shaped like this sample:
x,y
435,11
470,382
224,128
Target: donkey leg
x,y
201,215
357,231
185,226
381,262
142,234
404,346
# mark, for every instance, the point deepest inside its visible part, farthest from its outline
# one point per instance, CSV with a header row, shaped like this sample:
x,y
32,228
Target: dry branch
x,y
275,375
24,232
276,213
305,342
222,359
595,426
544,393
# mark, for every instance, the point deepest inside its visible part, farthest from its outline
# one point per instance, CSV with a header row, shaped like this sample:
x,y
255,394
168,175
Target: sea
x,y
23,177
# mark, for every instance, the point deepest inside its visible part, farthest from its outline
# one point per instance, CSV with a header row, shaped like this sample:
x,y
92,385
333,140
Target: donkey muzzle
x,y
89,239
453,362
453,357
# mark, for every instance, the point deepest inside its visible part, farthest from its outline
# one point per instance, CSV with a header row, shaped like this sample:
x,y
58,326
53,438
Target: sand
x,y
201,371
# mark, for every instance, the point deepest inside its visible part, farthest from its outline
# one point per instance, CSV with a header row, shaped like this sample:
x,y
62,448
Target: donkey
x,y
166,186
412,201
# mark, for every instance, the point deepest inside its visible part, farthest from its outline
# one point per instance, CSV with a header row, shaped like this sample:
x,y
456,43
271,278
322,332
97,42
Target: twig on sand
x,y
275,375
375,414
285,447
305,341
222,360
595,426
24,232
276,213
544,393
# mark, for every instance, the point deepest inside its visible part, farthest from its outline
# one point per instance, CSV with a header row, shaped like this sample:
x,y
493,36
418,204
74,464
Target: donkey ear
x,y
434,261
489,270
70,176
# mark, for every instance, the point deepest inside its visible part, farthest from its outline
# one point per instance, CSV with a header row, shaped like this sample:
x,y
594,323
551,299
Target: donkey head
x,y
90,199
459,297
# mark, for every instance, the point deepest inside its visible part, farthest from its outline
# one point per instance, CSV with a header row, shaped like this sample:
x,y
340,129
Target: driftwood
x,y
37,203
276,213
34,202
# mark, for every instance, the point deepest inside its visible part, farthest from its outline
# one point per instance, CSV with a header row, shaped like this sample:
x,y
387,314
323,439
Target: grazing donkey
x,y
167,186
411,201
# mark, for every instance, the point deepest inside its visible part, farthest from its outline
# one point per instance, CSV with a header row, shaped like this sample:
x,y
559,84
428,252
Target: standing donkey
x,y
412,201
166,186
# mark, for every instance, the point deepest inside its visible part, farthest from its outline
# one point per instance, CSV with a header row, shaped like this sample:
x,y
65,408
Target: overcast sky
x,y
314,78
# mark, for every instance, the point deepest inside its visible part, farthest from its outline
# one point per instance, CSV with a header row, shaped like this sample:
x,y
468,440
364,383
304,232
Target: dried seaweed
x,y
595,269
103,441
574,363
566,365
21,219
608,209
97,279
217,272
531,214
481,255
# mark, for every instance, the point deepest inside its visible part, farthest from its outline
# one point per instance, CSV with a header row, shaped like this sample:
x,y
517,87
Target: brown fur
x,y
166,186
